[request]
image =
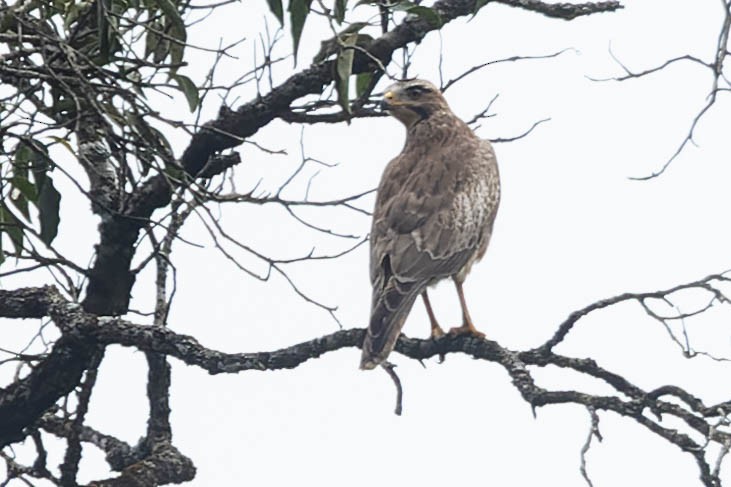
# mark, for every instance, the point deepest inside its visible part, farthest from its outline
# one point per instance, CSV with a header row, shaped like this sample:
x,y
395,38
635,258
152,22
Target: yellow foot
x,y
467,330
437,333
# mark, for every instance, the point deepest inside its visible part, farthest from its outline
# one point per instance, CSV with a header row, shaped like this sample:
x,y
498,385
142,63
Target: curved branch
x,y
119,454
568,324
84,332
165,465
566,11
188,350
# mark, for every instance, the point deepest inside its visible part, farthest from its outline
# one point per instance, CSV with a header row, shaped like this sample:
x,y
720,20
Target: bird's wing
x,y
431,213
424,228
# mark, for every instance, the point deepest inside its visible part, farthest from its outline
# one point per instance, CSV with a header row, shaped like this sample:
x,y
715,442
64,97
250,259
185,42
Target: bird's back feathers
x,y
433,217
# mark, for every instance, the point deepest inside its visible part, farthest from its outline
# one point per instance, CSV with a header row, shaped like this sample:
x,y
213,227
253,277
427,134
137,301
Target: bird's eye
x,y
416,90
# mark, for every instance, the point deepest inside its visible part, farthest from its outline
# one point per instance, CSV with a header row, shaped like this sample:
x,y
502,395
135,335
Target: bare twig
x,y
524,134
720,84
389,368
593,432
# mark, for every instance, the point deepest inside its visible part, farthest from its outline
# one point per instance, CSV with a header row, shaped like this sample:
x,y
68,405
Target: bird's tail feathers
x,y
391,306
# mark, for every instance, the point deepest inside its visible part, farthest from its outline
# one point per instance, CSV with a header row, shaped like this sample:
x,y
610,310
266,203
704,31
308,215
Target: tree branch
x,y
110,279
30,302
165,465
566,11
23,402
118,453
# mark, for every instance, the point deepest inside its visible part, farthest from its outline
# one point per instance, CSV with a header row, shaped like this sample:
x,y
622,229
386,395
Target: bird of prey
x,y
434,213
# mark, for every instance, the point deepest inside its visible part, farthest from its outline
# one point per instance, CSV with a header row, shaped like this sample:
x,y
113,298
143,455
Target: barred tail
x,y
391,306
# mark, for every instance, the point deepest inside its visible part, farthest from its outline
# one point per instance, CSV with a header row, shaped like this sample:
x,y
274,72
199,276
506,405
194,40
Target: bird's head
x,y
412,101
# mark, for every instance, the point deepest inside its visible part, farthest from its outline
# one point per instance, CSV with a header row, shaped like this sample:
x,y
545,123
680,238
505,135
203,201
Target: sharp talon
x,y
437,333
467,330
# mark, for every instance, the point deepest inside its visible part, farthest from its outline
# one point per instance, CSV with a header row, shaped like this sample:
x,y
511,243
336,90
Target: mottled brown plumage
x,y
434,212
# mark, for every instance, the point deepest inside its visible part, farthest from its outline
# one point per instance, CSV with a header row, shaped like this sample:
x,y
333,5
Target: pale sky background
x,y
571,229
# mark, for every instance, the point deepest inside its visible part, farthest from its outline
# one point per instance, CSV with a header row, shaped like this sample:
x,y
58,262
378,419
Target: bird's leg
x,y
467,328
436,330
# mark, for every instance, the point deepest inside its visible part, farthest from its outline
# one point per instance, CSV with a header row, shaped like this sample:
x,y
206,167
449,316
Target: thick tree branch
x,y
158,464
23,402
30,302
165,465
566,11
516,364
118,453
70,466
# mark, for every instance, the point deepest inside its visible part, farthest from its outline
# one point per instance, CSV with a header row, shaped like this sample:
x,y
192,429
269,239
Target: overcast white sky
x,y
572,229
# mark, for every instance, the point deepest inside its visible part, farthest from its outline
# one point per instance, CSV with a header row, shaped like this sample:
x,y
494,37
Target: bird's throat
x,y
421,112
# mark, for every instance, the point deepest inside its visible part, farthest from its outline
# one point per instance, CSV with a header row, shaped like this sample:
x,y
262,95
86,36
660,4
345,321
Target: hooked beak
x,y
387,102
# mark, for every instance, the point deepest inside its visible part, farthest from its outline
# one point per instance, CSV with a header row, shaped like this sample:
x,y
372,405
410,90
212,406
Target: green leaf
x,y
146,159
70,15
135,78
119,6
114,115
175,173
176,30
103,6
21,164
478,5
49,200
340,6
40,166
189,89
10,225
162,49
177,49
23,191
63,142
163,146
153,39
366,2
158,144
276,7
25,187
171,13
344,67
2,229
20,201
298,10
23,155
403,6
33,155
362,83
426,13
